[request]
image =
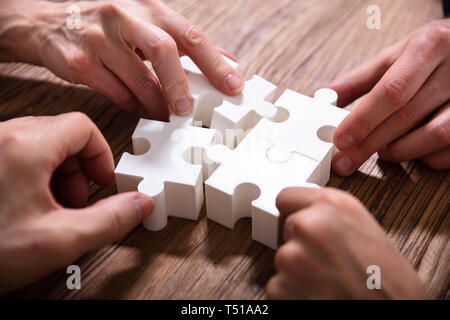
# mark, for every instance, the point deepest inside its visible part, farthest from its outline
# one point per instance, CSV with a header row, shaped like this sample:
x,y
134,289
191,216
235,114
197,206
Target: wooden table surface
x,y
300,45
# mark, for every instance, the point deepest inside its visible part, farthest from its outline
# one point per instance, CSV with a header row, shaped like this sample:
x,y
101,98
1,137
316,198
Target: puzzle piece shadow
x,y
178,239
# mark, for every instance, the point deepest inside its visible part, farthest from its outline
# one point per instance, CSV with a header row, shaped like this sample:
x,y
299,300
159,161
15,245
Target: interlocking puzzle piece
x,y
308,130
294,152
167,166
220,111
246,175
169,163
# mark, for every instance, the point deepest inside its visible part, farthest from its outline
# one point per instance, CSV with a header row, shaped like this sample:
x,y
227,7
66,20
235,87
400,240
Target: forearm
x,y
22,25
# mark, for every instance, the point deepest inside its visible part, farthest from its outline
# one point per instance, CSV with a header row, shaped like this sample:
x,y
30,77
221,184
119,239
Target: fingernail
x,y
183,105
234,83
345,142
344,165
143,206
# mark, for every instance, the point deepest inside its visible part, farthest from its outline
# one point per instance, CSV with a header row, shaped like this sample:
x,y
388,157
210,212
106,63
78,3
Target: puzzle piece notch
x,y
168,167
326,96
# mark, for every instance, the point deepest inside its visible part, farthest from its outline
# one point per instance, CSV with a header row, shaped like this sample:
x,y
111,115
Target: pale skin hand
x,y
37,234
330,240
106,53
406,114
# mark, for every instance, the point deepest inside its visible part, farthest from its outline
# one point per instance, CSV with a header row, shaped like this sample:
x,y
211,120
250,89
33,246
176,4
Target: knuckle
x,y
182,83
294,223
220,66
403,118
330,197
363,123
9,140
163,45
435,36
194,37
317,228
395,91
122,97
287,255
430,41
109,10
273,289
94,36
115,225
77,117
146,82
13,145
307,225
339,199
78,64
441,133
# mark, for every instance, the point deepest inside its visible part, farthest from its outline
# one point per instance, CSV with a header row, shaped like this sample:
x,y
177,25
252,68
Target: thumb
x,y
110,219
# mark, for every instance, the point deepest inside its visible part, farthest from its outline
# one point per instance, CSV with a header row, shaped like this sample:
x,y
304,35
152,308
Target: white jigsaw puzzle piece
x,y
246,174
220,111
168,167
308,130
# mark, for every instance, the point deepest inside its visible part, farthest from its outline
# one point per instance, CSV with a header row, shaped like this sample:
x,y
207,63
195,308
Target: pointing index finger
x,y
205,55
161,50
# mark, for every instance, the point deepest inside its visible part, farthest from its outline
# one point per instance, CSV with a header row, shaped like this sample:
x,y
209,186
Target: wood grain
x,y
300,45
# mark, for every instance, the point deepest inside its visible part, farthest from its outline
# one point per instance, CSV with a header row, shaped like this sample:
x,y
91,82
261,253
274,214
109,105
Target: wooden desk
x,y
300,45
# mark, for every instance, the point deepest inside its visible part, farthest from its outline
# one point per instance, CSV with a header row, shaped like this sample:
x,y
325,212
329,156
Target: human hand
x,y
406,114
106,52
37,234
330,240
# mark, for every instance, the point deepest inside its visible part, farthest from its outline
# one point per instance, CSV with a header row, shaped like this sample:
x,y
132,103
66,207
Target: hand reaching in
x,y
106,53
406,113
330,241
60,154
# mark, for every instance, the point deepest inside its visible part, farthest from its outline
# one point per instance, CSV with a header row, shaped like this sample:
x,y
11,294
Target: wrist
x,y
24,26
